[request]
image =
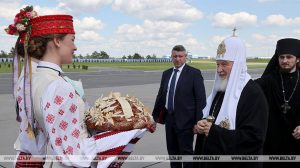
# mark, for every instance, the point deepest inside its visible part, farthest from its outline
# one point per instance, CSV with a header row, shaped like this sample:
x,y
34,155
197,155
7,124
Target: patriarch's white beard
x,y
220,84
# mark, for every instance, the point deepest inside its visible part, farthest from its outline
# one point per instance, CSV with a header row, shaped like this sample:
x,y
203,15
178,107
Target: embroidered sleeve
x,y
61,118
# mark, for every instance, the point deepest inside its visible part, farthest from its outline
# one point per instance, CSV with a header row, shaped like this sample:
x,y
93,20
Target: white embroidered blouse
x,y
59,119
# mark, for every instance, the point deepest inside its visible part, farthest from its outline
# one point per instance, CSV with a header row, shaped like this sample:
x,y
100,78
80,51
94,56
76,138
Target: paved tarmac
x,y
142,84
108,77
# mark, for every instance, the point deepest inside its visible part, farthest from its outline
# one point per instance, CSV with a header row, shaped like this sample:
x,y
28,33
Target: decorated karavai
x,y
118,113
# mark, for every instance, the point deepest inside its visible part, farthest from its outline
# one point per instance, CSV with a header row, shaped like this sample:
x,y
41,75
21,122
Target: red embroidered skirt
x,y
24,160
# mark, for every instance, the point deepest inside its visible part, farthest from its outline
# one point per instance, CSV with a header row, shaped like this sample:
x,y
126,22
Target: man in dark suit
x,y
181,98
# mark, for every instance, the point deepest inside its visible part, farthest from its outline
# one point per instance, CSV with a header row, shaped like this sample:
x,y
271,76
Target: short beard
x,y
220,84
288,70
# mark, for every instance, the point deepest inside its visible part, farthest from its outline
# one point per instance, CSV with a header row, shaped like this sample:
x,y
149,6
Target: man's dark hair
x,y
178,48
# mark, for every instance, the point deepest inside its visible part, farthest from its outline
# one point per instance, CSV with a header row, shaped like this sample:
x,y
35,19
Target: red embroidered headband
x,y
52,24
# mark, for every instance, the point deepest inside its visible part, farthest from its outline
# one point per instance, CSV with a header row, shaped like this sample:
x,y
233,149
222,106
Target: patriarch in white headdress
x,y
231,77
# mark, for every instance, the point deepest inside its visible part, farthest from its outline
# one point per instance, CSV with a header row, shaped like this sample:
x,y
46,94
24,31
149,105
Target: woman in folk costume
x,y
51,107
236,115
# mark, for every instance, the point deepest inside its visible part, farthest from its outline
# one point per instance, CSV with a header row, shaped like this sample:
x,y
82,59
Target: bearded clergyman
x,y
236,115
280,83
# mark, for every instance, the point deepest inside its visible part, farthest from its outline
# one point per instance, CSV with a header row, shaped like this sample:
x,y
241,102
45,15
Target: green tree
x,y
11,53
3,54
95,55
137,56
104,55
124,57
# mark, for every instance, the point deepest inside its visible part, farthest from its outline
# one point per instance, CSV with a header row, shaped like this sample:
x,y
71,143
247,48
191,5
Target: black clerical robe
x,y
279,140
248,136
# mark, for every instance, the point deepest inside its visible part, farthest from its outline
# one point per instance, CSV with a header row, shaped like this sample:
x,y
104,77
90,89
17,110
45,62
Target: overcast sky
x,y
123,27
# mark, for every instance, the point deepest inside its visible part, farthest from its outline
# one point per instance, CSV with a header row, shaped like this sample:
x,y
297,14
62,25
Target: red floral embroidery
x,y
50,118
74,121
59,158
76,133
61,112
78,146
65,138
58,141
19,99
71,95
58,100
69,150
73,108
47,106
63,125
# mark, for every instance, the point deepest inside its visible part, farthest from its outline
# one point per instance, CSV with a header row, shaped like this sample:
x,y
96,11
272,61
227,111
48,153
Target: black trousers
x,y
179,142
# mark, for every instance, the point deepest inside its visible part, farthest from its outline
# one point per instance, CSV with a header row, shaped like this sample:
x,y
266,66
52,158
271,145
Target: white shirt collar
x,y
50,65
180,68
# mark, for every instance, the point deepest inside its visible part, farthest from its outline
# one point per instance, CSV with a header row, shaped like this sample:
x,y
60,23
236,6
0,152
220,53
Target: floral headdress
x,y
21,23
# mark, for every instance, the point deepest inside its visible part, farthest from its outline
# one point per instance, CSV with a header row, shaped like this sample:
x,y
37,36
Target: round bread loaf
x,y
116,113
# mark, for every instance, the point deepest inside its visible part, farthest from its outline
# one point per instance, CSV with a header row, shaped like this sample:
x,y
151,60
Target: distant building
x,y
6,60
166,56
189,56
201,57
259,57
